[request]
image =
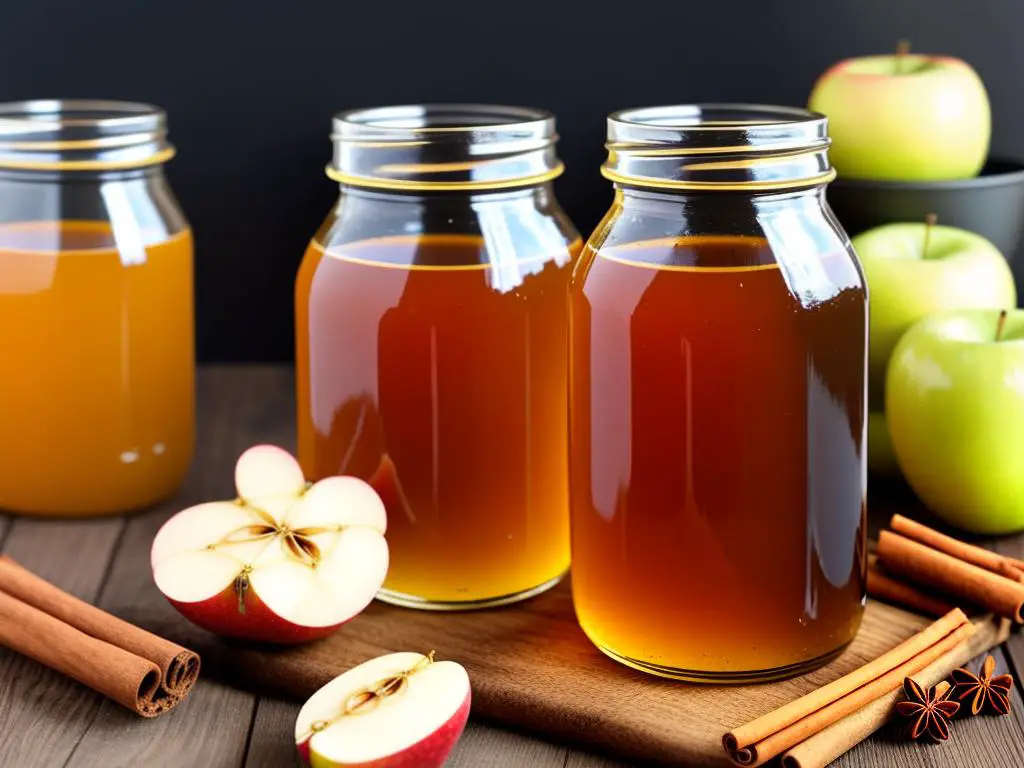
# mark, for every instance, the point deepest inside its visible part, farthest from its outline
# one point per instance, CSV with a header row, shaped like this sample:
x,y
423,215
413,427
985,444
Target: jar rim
x,y
712,116
82,135
444,147
444,116
718,146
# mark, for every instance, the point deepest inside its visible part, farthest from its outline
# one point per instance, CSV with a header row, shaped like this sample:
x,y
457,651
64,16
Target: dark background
x,y
250,87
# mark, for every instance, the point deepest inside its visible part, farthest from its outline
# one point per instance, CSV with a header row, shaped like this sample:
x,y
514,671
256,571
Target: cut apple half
x,y
286,562
399,710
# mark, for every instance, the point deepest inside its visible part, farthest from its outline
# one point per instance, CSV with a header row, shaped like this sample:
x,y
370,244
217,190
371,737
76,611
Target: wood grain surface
x,y
47,720
532,668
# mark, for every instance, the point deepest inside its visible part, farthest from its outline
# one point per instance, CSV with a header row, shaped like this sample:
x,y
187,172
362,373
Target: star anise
x,y
985,691
931,709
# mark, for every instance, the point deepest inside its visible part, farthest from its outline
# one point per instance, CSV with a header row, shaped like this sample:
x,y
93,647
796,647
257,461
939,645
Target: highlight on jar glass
x,y
97,310
718,335
432,346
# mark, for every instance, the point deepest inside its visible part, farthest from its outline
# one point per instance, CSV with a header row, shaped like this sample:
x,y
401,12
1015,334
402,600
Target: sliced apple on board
x,y
402,710
286,562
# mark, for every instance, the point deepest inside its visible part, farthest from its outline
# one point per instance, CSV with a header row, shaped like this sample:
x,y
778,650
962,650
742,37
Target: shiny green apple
x,y
959,270
905,117
955,405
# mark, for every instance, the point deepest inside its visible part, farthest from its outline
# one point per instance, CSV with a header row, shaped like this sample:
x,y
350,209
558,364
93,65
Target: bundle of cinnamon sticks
x,y
815,729
135,668
928,572
918,568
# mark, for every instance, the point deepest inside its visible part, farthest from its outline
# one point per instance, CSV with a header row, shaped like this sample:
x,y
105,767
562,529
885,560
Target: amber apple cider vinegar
x,y
97,407
436,369
97,400
717,420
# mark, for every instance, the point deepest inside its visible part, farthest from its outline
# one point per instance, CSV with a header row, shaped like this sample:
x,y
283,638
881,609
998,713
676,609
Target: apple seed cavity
x,y
364,700
286,561
394,711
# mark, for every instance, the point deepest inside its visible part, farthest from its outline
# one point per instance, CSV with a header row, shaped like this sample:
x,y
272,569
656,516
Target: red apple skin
x,y
431,752
219,614
303,747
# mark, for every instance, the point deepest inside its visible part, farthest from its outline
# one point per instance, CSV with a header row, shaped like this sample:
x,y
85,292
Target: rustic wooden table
x,y
48,720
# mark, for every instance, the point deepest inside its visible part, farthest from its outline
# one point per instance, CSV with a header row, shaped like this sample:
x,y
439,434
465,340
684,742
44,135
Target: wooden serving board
x,y
533,668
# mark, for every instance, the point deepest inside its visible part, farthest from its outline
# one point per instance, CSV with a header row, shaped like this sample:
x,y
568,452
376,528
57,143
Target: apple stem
x,y
902,49
1000,324
929,221
242,586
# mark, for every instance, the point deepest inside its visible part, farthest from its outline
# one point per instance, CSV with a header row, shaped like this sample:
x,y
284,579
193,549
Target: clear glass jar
x,y
432,346
96,310
718,337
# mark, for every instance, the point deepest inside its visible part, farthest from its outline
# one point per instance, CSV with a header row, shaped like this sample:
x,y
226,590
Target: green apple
x,y
955,405
905,117
881,458
915,269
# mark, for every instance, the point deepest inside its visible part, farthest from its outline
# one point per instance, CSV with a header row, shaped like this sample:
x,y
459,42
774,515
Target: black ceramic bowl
x,y
991,204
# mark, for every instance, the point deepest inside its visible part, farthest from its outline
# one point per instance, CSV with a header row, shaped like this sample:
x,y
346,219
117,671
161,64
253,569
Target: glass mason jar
x,y
96,310
432,348
718,337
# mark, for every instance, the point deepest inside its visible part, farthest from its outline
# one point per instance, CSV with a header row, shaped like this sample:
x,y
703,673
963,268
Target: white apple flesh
x,y
284,563
402,710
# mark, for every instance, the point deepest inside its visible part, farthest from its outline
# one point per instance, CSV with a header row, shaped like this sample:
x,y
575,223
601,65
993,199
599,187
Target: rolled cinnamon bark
x,y
882,586
829,743
979,556
130,665
772,734
932,568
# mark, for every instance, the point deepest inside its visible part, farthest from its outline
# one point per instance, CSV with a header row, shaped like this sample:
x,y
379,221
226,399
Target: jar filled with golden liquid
x,y
96,310
718,335
432,349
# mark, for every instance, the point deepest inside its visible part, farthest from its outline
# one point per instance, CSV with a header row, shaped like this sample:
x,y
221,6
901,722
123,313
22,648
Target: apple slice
x,y
286,562
402,710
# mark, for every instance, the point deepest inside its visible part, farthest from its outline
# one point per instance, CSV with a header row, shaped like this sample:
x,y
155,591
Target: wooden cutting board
x,y
533,668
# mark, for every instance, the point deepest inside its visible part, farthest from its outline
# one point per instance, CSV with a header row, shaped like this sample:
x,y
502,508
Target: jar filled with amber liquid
x,y
432,346
718,335
96,310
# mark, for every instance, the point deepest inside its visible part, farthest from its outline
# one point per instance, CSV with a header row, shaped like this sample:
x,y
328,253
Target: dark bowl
x,y
991,204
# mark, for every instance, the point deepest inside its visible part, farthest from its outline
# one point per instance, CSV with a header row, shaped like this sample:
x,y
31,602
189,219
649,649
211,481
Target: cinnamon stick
x,y
829,743
930,567
135,668
979,556
882,586
772,734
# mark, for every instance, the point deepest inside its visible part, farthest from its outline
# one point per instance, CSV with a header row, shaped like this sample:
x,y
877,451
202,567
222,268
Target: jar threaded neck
x,y
444,147
82,135
718,147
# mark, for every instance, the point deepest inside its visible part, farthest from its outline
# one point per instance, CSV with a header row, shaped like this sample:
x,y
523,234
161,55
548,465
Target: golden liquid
x,y
717,423
97,394
440,377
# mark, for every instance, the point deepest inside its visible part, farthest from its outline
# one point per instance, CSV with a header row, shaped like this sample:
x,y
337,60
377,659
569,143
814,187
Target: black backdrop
x,y
250,86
